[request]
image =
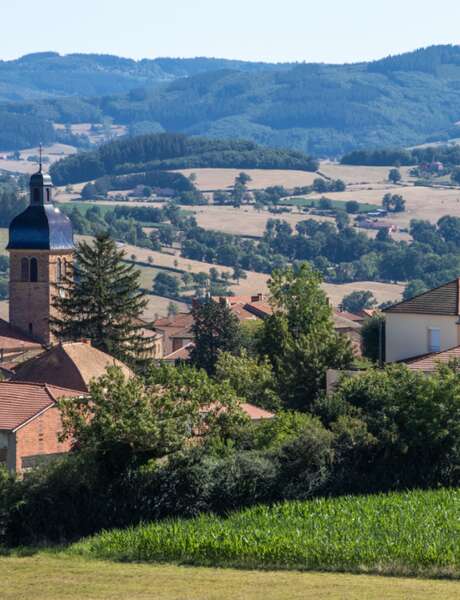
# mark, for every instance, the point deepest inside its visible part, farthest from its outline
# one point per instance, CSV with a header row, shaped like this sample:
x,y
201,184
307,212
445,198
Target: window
x,y
48,195
58,270
24,269
36,196
434,339
31,329
33,269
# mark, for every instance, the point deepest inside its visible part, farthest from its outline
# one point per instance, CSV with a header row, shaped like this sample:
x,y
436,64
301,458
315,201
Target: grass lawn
x,y
48,577
364,207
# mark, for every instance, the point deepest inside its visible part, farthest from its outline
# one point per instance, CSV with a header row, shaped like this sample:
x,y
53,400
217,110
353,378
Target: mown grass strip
x,y
408,534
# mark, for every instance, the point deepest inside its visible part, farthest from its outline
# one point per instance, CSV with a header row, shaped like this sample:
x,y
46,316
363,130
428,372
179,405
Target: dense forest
x,y
387,157
324,110
172,151
49,74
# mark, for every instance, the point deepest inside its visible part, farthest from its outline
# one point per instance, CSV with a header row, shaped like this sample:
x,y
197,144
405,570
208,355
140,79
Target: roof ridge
x,y
438,287
41,384
428,354
19,382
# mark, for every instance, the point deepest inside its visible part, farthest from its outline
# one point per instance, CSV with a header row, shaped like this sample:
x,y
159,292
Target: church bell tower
x,y
41,247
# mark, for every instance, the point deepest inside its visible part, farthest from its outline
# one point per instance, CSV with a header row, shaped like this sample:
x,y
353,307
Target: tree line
x,y
164,151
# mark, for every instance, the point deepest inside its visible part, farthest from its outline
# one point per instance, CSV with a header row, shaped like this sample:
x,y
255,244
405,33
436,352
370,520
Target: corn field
x,y
407,533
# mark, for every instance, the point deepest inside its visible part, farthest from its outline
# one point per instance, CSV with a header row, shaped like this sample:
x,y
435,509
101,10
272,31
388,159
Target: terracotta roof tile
x,y
255,412
343,323
260,308
70,365
429,362
20,402
349,315
181,353
241,312
176,321
12,340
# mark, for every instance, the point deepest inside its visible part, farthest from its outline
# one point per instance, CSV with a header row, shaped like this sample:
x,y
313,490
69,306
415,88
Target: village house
x,y
426,324
30,424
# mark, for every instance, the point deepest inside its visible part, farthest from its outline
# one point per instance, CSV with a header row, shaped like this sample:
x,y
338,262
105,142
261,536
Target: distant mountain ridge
x,y
320,109
50,74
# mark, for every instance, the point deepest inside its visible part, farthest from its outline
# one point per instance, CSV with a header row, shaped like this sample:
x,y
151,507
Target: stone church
x,y
40,247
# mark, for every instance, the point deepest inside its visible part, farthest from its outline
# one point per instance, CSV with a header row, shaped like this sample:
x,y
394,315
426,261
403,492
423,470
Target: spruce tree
x,y
101,300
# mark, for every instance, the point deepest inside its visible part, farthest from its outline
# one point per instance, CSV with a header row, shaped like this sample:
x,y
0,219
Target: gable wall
x,y
38,439
407,334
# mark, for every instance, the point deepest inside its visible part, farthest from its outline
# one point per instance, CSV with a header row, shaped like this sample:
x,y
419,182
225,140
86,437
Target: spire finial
x,y
40,152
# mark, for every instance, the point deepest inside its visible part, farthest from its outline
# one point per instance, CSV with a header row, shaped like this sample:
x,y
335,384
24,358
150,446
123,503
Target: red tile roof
x,y
255,413
241,312
70,365
184,332
12,340
429,362
260,308
341,323
350,316
181,353
176,321
20,402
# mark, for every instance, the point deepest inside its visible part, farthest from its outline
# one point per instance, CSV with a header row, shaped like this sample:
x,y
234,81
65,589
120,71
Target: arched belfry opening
x,y
40,245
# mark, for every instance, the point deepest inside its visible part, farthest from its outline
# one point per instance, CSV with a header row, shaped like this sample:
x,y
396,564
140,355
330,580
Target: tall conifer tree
x,y
101,300
215,329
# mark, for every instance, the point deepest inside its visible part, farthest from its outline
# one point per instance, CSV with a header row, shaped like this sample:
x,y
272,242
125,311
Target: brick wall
x,y
30,302
40,438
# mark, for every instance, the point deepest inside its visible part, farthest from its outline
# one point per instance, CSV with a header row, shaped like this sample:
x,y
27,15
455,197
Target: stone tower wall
x,y
30,303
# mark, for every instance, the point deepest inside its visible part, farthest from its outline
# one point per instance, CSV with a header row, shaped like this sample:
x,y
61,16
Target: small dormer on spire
x,y
40,185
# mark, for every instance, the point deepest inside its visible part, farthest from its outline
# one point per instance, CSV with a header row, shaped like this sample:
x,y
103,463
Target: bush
x,y
352,207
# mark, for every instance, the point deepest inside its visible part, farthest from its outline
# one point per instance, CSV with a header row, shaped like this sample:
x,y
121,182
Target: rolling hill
x,y
322,109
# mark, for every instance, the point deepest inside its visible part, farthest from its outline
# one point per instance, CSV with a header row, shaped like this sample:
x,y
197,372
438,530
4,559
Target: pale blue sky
x,y
271,30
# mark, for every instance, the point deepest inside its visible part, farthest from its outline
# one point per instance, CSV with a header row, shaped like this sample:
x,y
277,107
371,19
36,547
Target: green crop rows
x,y
410,533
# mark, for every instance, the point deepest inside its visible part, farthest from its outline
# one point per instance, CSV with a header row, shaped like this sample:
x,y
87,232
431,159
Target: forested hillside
x,y
48,74
325,110
173,151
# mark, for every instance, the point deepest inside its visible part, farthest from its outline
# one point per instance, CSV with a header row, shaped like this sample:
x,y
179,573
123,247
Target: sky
x,y
334,31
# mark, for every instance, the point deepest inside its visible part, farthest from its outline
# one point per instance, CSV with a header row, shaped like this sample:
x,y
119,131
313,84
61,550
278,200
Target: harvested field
x,y
421,202
384,292
359,175
158,307
24,167
53,152
245,220
217,179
